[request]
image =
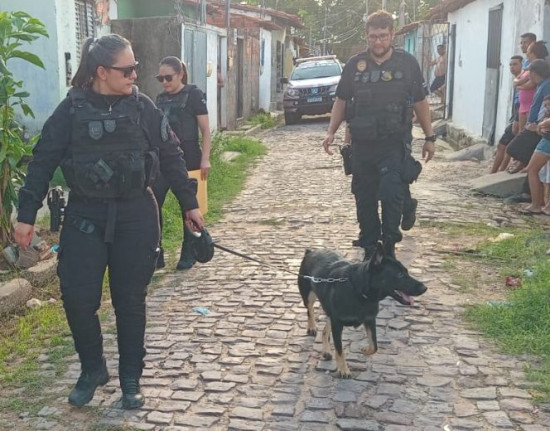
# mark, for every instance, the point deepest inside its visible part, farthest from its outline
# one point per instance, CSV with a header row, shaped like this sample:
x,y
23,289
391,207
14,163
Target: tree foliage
x,y
16,30
337,26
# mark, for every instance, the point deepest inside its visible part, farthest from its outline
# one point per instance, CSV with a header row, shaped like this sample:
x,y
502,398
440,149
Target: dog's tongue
x,y
408,298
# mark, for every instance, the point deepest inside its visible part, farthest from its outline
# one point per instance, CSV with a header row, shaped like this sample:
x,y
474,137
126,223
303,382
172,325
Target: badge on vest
x,y
387,76
361,65
95,130
110,125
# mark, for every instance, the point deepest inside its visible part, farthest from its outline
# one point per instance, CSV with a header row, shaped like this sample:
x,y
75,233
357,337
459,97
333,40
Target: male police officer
x,y
381,86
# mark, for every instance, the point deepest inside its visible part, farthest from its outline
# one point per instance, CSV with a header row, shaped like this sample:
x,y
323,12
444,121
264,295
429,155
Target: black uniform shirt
x,y
54,141
412,74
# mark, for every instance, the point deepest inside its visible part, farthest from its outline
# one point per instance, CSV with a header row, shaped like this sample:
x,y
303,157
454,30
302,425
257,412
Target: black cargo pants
x,y
378,177
130,258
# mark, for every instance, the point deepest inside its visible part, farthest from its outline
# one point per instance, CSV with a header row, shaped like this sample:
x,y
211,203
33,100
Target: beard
x,y
380,54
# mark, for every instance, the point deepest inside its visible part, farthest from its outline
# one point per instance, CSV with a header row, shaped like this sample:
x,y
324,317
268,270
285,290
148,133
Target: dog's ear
x,y
378,255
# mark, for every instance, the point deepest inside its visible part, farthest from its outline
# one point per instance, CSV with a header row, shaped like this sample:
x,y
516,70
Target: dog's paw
x,y
312,331
370,350
327,356
345,374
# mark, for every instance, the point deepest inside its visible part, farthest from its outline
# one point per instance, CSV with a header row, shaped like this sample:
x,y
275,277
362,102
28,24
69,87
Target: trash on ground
x,y
513,282
498,303
201,310
501,237
529,272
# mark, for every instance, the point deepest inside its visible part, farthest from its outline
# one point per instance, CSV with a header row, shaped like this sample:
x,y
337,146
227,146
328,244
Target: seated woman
x,y
538,161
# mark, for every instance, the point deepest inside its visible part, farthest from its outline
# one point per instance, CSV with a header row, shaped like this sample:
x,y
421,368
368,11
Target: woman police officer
x,y
109,140
185,107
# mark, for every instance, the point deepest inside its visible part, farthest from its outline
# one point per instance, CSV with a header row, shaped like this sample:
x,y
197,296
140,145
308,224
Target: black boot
x,y
89,380
409,215
132,398
389,249
187,260
160,259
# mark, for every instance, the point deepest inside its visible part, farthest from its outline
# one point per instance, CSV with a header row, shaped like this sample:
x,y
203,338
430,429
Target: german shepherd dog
x,y
353,300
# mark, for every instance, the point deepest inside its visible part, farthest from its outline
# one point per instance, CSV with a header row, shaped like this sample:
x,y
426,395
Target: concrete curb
x,y
14,294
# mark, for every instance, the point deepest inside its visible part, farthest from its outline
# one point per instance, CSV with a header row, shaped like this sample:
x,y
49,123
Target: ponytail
x,y
95,53
82,78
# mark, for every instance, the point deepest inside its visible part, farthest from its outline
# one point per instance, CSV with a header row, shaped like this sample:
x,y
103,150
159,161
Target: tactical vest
x,y
182,120
106,157
381,105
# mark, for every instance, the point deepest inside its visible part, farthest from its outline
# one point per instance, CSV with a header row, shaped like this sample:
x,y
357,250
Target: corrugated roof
x,y
408,28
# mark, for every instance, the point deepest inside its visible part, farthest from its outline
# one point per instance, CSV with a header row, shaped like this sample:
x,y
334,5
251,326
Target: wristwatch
x,y
432,138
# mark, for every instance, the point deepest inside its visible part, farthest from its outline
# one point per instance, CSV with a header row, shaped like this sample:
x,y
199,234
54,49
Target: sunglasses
x,y
126,71
161,78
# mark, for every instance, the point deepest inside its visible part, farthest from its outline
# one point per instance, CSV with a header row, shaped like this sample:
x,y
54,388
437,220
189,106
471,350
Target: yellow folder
x,y
202,190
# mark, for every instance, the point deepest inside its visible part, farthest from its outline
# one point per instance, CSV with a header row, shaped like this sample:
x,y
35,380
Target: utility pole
x,y
203,12
402,6
325,33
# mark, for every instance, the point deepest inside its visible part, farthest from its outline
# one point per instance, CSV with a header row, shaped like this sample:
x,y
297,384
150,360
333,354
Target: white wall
x,y
43,85
519,16
265,71
212,80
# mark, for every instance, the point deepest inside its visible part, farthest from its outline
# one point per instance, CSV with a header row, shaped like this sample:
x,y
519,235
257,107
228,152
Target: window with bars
x,y
84,17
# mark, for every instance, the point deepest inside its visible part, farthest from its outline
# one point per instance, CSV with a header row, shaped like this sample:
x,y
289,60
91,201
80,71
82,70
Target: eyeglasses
x,y
127,70
382,37
161,78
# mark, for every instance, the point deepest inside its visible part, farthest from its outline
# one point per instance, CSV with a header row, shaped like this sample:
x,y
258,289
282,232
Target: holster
x,y
411,169
345,152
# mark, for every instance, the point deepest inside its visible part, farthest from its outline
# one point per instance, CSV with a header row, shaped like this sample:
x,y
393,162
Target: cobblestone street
x,y
249,365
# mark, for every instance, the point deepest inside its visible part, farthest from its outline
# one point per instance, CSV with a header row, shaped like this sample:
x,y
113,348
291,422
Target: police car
x,y
311,88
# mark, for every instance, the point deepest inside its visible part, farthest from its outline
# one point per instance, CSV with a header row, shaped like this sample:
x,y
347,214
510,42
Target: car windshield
x,y
315,71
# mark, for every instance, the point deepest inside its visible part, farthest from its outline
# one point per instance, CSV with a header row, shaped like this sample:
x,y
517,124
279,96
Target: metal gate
x,y
433,34
194,56
492,78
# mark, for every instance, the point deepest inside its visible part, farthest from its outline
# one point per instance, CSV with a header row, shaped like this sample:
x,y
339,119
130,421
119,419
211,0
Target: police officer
x,y
381,86
109,140
185,108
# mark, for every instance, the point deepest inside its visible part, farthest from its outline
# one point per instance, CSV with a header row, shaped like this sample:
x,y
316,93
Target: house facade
x,y
483,35
69,23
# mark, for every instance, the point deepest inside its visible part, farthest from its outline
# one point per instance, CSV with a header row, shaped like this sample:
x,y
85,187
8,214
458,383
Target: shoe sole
x,y
102,382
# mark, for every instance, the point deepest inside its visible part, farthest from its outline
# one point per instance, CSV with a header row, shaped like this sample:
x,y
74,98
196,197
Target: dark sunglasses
x,y
161,78
126,71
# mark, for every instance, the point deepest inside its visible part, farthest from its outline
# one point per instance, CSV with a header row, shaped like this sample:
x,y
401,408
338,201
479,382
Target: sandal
x,y
526,211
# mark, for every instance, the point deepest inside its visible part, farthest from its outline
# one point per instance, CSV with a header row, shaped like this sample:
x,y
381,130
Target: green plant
x,y
266,120
16,29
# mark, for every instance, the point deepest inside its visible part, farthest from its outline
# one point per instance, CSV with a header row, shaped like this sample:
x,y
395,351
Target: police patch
x,y
362,65
109,125
164,129
398,75
387,76
95,130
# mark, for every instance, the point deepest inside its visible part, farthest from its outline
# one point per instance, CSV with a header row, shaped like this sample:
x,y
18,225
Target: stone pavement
x,y
249,365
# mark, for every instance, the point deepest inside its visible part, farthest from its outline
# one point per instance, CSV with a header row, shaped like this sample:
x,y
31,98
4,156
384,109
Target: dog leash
x,y
315,280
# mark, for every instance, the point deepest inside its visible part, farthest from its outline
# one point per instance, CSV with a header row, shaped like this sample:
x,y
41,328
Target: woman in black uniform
x,y
185,106
109,140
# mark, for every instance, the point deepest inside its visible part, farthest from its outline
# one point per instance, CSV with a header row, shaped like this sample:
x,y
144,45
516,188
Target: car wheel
x,y
292,118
